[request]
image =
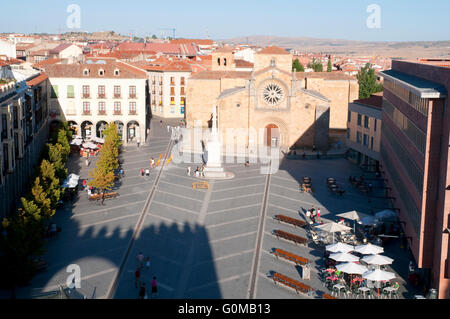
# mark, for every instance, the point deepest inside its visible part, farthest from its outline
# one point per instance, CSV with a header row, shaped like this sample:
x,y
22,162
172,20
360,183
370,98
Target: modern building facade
x,y
91,95
364,132
414,159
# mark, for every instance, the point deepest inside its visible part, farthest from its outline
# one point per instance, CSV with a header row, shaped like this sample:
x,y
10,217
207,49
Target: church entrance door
x,y
273,135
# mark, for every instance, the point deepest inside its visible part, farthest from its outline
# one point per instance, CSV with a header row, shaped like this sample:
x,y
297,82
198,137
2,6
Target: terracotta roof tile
x,y
37,80
217,75
324,75
243,64
273,50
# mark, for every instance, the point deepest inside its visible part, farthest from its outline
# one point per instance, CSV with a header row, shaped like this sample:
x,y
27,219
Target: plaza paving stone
x,y
201,243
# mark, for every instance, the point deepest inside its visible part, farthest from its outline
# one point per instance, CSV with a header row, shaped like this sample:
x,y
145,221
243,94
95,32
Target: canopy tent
x,y
340,247
333,228
369,249
353,215
377,260
76,142
90,145
347,257
71,181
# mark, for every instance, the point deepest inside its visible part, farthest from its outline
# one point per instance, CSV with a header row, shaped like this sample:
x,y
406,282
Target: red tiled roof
x,y
273,50
243,64
217,75
37,80
167,48
324,75
60,48
5,61
225,49
196,41
44,63
76,70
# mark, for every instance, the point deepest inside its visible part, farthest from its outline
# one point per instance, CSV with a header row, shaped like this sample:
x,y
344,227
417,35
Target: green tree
x,y
154,37
111,133
41,198
367,81
296,65
330,66
63,140
55,154
102,180
109,157
315,65
50,183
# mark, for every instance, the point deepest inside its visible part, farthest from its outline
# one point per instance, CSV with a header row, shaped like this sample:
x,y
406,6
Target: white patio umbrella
x,y
353,215
352,268
379,275
71,181
90,145
76,142
347,257
333,228
340,247
369,249
377,260
96,139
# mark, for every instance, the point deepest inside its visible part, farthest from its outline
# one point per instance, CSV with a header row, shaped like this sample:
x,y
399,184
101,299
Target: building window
x,y
54,92
225,62
172,109
182,110
132,92
116,72
172,90
182,90
86,72
366,121
86,108
70,92
101,92
101,72
101,108
375,125
182,80
172,80
358,137
218,61
86,91
132,107
349,116
117,108
117,91
348,133
172,101
359,119
365,140
371,143
182,99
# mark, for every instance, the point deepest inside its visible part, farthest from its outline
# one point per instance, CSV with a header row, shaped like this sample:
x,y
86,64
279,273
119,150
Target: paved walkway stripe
x,y
235,197
180,196
221,281
234,208
259,240
176,207
224,257
230,237
233,188
105,209
232,222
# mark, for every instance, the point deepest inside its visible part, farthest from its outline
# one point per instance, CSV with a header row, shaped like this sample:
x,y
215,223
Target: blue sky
x,y
401,20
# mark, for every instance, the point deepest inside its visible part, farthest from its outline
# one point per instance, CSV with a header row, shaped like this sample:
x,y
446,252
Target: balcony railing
x,y
132,112
117,113
132,96
87,112
101,95
86,96
101,112
117,96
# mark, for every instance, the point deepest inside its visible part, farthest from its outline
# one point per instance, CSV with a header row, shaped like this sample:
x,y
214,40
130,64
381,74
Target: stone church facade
x,y
297,109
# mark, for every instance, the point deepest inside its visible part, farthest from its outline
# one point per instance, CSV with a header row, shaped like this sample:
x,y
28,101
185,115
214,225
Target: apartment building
x,y
364,131
100,91
167,86
415,161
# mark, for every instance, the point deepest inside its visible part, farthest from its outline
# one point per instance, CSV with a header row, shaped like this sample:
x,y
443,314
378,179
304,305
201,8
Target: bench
x,y
290,220
289,282
200,185
327,296
107,195
296,239
291,257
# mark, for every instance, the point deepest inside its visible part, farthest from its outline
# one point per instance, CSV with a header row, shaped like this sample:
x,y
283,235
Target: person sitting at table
x,y
396,285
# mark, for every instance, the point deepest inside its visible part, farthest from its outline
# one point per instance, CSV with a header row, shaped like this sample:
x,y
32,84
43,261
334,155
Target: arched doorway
x,y
73,126
273,135
119,129
133,131
86,129
100,127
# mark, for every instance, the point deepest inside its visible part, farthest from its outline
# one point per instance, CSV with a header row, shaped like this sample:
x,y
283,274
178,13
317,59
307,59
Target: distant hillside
x,y
415,49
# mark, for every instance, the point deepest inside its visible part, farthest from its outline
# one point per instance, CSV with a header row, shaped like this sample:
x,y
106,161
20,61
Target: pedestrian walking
x,y
143,292
140,258
137,277
87,162
168,129
147,172
84,183
138,142
154,287
197,172
147,263
318,215
142,172
189,171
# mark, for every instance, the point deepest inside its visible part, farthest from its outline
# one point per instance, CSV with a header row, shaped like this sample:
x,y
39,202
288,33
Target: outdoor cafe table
x,y
364,290
390,290
339,287
332,278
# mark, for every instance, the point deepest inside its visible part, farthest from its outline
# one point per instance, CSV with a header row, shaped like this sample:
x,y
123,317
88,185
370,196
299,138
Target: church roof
x,y
231,91
273,50
217,75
